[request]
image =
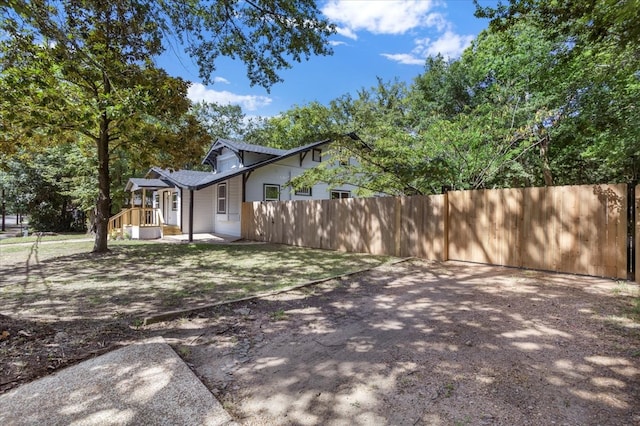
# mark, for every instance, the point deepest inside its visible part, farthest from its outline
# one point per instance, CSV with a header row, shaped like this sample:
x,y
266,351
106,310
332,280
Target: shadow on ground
x,y
424,343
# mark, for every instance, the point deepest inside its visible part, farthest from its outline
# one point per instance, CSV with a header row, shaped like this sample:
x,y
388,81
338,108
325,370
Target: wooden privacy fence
x,y
576,229
403,226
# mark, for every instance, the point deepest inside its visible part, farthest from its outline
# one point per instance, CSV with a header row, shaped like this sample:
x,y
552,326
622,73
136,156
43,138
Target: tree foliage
x,y
528,104
86,67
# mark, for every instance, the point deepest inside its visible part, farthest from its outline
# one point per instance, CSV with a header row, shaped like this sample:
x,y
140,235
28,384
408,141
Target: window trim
x,y
305,192
318,152
174,201
341,193
222,198
264,191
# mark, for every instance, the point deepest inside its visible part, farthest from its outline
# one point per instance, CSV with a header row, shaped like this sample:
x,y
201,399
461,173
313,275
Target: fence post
x,y
445,223
398,225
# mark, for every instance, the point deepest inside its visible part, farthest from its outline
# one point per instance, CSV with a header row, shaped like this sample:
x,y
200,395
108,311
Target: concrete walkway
x,y
144,383
201,238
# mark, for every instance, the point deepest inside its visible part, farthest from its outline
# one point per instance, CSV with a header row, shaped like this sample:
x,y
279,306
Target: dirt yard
x,y
414,343
424,343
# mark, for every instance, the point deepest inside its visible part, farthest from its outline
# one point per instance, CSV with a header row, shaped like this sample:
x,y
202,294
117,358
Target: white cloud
x,y
449,45
404,58
397,17
381,17
221,80
347,32
198,92
337,43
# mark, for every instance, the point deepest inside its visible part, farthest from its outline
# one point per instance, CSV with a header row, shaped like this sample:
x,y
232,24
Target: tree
x,y
225,121
375,129
86,67
590,20
297,126
594,71
43,184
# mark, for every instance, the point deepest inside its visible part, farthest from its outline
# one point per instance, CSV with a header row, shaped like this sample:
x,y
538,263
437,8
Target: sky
x,y
375,38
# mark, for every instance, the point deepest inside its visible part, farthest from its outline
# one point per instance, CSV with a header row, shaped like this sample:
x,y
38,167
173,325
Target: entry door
x,y
166,198
171,207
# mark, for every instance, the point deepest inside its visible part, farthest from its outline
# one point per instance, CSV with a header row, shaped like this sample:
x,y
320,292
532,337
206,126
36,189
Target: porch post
x,y
191,215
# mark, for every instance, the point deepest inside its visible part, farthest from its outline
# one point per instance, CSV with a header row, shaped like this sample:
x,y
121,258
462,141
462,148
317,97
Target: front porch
x,y
144,220
140,223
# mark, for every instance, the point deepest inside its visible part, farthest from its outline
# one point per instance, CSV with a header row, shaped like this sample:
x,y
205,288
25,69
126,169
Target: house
x,y
188,201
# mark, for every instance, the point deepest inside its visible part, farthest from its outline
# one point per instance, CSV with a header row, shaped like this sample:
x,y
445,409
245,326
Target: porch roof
x,y
135,184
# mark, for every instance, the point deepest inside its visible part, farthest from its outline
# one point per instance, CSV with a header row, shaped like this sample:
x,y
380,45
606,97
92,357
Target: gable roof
x,y
134,184
237,146
196,180
243,146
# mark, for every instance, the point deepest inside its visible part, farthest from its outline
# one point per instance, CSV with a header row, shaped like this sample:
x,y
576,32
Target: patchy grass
x,y
65,280
45,238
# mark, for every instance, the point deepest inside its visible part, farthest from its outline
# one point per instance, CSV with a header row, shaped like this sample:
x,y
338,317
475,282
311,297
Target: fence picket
x,y
576,229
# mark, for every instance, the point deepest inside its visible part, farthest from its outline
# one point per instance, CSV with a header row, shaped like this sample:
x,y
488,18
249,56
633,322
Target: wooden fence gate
x,y
575,229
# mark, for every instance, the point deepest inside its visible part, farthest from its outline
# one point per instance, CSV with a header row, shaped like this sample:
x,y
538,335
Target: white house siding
x,y
229,223
202,208
254,157
281,173
226,161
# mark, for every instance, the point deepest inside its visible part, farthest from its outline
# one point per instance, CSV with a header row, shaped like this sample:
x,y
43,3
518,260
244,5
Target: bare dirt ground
x,y
414,343
424,343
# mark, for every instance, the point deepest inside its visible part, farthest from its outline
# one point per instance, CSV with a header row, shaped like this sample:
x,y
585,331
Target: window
x,y
316,155
271,192
304,191
339,194
174,201
222,198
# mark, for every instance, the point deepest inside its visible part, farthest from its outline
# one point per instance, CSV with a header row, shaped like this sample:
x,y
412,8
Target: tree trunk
x,y
103,205
544,156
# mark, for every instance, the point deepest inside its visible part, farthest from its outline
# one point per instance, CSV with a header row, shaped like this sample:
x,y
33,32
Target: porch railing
x,y
136,216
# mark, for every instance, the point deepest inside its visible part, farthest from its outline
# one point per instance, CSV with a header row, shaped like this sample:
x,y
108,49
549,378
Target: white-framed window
x,y
316,155
306,191
337,194
174,201
222,198
271,192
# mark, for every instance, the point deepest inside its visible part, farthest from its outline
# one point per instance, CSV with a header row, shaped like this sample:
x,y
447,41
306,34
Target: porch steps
x,y
171,230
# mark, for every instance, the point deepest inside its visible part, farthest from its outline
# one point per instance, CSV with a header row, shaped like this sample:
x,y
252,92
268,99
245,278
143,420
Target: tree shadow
x,y
425,342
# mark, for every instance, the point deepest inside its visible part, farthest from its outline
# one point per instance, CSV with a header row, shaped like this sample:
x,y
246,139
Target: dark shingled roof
x,y
195,180
238,146
243,146
138,183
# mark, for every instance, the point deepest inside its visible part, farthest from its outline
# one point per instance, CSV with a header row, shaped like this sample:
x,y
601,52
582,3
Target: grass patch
x,y
279,315
136,277
634,312
45,238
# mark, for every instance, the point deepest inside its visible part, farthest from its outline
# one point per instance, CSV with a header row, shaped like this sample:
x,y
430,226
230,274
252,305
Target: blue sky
x,y
376,38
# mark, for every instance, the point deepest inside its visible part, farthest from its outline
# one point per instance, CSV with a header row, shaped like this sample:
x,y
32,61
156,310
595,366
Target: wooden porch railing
x,y
136,216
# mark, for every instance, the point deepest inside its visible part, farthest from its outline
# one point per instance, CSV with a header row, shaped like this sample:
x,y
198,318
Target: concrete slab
x,y
202,238
144,383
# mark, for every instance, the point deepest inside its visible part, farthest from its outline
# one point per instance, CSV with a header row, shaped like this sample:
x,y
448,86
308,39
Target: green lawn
x,y
63,280
46,238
